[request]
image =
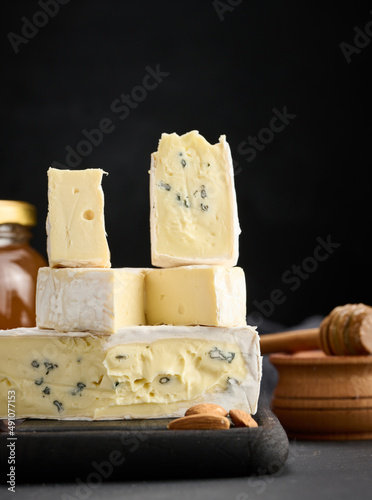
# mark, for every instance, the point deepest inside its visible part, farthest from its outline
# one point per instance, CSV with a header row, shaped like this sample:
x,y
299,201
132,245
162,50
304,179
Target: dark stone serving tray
x,y
92,452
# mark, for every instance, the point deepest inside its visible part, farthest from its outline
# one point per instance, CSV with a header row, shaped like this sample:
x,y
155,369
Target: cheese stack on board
x,y
139,343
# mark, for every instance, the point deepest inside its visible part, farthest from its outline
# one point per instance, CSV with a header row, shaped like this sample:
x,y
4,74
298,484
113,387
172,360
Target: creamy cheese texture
x,y
196,295
89,299
193,216
141,372
75,225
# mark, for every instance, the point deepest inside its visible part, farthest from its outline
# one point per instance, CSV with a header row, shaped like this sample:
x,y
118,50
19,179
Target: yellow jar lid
x,y
17,212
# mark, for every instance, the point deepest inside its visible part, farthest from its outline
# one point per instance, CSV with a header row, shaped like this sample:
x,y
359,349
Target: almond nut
x,y
207,408
199,421
241,418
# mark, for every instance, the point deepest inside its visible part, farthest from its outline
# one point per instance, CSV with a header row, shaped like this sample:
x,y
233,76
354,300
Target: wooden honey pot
x,y
320,395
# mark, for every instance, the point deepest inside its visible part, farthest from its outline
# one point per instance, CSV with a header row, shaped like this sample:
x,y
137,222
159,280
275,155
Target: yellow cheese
x,y
196,295
140,372
193,203
89,299
75,224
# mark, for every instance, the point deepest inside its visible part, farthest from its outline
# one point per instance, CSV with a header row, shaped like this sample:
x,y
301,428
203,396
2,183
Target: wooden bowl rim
x,y
318,357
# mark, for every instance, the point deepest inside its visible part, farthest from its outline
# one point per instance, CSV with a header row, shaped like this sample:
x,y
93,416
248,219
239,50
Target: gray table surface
x,y
314,470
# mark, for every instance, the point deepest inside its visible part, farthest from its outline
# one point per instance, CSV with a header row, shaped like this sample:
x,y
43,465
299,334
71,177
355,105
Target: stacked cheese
x,y
106,345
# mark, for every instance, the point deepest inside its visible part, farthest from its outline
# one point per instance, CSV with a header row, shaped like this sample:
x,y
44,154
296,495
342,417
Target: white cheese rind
x,y
196,295
89,299
75,223
86,377
203,224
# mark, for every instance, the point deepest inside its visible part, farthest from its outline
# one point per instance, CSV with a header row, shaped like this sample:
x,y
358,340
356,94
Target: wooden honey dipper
x,y
347,330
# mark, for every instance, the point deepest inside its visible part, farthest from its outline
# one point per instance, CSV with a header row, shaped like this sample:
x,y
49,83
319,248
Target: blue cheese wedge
x,y
75,225
90,299
140,372
196,295
194,218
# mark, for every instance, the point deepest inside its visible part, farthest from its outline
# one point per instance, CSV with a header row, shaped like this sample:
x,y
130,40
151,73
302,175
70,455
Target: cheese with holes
x,y
196,295
75,226
89,299
194,216
140,372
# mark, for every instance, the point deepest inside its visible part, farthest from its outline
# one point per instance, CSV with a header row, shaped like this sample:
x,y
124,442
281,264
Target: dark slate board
x,y
59,451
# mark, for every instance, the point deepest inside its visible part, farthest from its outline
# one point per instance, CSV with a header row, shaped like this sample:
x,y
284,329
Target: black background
x,y
228,69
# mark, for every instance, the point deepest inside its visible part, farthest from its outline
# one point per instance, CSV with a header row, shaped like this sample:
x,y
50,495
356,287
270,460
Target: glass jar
x,y
19,264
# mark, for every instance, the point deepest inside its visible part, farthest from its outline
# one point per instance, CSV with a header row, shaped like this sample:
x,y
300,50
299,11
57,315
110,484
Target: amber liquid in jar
x,y
19,265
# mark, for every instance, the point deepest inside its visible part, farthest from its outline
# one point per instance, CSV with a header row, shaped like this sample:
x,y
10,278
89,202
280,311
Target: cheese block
x,y
75,225
140,372
196,295
88,299
193,216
